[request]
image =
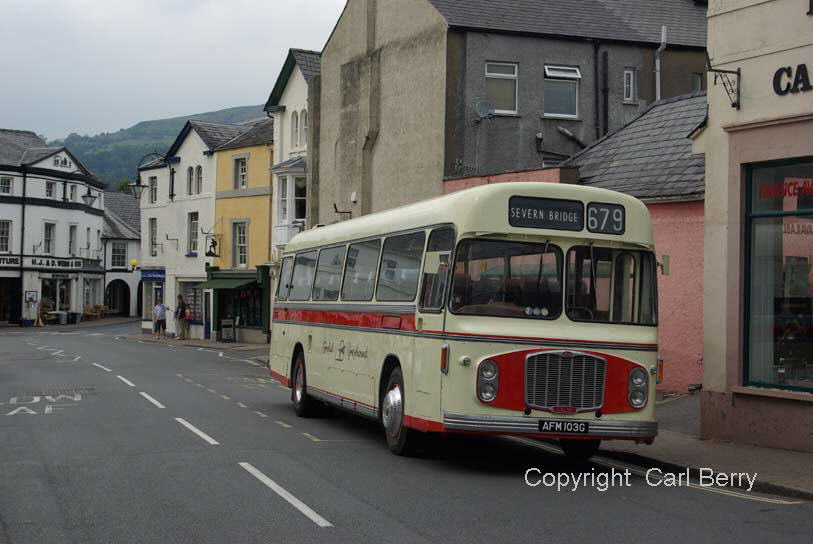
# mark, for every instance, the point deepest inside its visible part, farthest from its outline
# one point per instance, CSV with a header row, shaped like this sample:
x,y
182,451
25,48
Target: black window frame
x,y
293,275
341,274
282,280
381,265
378,267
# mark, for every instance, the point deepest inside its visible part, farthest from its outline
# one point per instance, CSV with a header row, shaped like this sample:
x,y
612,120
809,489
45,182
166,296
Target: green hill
x,y
113,156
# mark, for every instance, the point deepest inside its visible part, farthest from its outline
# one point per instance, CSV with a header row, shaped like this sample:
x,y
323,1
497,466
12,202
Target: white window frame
x,y
192,233
153,233
514,77
190,181
240,172
153,184
5,238
198,179
73,230
48,244
72,193
629,84
562,73
295,130
283,204
293,198
115,257
303,131
50,189
240,253
6,186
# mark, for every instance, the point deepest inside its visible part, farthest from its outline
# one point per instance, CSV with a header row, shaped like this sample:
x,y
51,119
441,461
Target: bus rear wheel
x,y
401,439
579,450
304,405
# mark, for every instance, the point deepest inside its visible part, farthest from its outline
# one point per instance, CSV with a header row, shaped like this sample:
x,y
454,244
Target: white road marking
x,y
179,375
151,399
293,501
283,424
125,380
190,381
212,391
200,385
260,414
311,437
603,461
211,441
225,397
241,405
102,367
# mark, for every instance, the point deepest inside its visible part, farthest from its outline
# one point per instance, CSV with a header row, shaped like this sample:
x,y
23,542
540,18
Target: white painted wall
x,y
129,275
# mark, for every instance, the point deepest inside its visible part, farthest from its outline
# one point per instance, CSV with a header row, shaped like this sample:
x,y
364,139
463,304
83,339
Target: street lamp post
x,y
137,187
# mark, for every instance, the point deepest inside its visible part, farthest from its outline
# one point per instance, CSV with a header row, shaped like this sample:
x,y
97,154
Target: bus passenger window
x,y
302,280
284,282
329,274
436,268
359,272
400,267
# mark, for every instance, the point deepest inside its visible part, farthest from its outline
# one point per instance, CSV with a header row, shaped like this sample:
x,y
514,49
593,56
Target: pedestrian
x,y
180,318
159,317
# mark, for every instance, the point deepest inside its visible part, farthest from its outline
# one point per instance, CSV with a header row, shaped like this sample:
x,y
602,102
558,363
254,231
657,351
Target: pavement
x,y
104,439
104,322
197,343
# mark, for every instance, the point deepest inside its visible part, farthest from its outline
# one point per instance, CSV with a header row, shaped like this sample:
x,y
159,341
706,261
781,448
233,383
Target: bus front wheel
x,y
304,406
400,439
579,450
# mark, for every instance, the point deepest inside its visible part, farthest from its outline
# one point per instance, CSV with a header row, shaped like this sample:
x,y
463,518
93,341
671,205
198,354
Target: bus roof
x,y
482,210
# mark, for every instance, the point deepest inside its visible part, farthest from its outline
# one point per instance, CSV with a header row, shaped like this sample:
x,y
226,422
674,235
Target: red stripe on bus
x,y
280,378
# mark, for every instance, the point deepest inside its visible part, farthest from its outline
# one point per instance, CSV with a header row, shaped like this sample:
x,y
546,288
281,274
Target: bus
x,y
524,309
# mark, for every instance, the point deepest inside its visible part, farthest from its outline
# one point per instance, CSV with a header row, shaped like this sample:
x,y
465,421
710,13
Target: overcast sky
x,y
91,66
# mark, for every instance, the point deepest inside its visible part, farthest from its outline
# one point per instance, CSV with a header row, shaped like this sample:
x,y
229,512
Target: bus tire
x,y
401,439
579,450
304,405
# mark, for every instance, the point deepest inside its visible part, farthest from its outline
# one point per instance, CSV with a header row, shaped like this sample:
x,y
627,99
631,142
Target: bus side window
x,y
302,278
436,268
329,274
360,269
400,267
284,282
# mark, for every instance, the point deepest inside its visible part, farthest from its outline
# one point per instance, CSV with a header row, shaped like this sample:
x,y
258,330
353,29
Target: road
x,y
104,439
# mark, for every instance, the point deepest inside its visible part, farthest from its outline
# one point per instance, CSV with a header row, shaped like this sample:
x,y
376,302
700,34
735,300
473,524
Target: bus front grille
x,y
564,380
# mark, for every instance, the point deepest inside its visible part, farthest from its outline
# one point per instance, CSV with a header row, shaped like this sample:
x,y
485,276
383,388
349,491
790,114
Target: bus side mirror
x,y
664,265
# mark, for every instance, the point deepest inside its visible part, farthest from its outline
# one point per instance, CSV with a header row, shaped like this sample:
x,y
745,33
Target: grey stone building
x,y
415,92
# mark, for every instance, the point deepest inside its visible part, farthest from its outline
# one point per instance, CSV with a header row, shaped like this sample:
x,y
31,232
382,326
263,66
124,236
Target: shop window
x,y
329,274
359,274
501,86
193,296
779,276
400,268
561,91
5,236
244,305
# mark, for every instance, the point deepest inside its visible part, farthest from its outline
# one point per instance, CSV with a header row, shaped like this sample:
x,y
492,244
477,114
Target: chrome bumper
x,y
530,425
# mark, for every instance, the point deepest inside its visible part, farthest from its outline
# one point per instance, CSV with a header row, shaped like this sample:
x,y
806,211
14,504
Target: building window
x,y
5,236
283,200
190,180
5,186
779,276
50,189
193,296
240,173
561,92
294,129
48,235
73,193
300,198
697,82
87,240
629,84
72,240
303,119
98,240
240,244
198,180
501,86
56,161
192,233
153,237
153,190
118,255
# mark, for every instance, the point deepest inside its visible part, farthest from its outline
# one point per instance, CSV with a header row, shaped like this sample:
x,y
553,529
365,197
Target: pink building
x,y
651,158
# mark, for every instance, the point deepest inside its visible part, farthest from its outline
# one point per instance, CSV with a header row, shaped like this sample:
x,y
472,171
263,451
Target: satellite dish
x,y
484,110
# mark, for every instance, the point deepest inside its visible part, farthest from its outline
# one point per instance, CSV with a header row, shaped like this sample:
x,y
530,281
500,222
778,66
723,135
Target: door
x,y
431,320
207,318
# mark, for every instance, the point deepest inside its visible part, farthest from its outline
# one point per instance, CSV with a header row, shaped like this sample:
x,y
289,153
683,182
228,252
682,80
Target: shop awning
x,y
225,283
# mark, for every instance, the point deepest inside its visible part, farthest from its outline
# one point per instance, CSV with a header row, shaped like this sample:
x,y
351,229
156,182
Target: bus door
x,y
430,321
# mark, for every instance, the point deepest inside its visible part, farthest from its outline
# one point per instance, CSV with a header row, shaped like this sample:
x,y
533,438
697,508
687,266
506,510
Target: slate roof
x,y
621,20
113,227
295,162
309,62
651,156
124,207
216,134
260,133
14,143
36,154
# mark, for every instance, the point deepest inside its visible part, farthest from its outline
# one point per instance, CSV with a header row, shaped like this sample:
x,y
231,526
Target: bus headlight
x,y
488,380
638,387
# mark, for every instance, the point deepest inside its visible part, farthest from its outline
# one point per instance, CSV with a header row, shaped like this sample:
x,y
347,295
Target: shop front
x,y
152,285
241,301
11,297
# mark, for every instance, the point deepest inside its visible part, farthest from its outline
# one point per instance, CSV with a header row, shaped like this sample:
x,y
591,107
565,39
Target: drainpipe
x,y
596,100
658,64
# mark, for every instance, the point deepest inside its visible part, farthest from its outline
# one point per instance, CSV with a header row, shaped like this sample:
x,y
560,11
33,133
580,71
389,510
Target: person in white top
x,y
159,317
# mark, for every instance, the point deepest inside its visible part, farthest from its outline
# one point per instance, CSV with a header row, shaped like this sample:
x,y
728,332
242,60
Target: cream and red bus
x,y
525,309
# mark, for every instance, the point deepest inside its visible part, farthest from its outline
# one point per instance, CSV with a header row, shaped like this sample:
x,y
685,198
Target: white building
x,y
178,225
51,220
121,242
288,105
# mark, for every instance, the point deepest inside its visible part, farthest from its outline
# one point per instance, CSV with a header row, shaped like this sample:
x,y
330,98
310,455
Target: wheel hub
x,y
299,388
392,411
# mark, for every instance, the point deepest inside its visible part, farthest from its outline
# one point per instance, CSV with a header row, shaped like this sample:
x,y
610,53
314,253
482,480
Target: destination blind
x,y
545,213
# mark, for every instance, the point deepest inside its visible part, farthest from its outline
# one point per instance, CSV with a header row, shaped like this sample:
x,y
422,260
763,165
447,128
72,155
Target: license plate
x,y
559,426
